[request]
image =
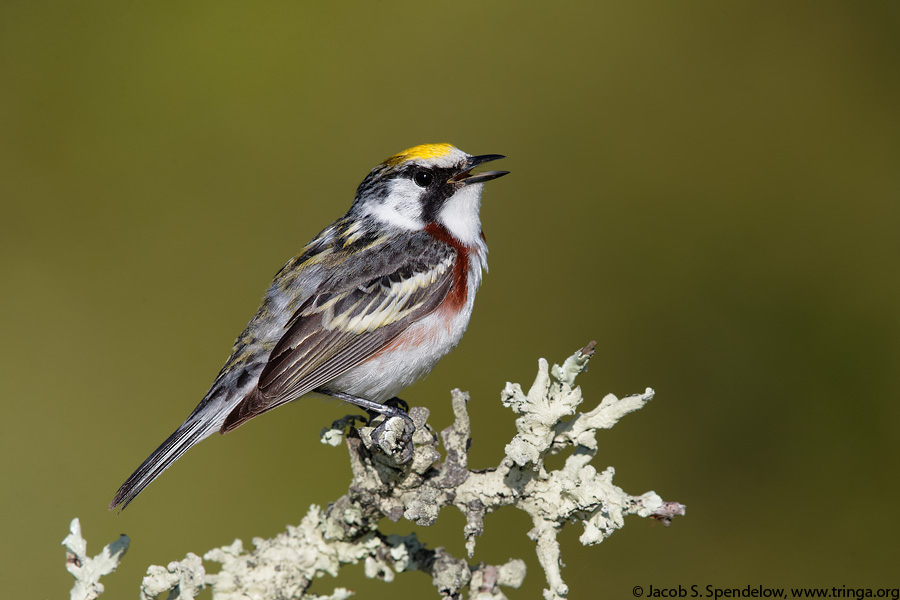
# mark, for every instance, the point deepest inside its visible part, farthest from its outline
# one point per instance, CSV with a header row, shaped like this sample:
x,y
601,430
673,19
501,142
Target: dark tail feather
x,y
168,452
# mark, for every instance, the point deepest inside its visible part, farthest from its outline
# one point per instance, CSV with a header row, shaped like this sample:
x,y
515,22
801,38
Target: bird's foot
x,y
393,435
396,402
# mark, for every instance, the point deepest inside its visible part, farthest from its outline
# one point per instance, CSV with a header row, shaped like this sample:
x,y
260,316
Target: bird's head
x,y
431,183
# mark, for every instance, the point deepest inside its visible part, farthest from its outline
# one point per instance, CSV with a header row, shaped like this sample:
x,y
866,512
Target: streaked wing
x,y
335,330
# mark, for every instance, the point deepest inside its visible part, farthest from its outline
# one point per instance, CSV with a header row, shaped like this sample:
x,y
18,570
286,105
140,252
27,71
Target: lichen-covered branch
x,y
86,570
388,483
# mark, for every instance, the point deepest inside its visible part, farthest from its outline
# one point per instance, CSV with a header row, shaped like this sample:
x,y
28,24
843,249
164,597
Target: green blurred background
x,y
709,189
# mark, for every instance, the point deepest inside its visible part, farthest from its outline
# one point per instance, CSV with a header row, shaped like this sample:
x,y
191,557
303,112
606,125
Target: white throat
x,y
460,214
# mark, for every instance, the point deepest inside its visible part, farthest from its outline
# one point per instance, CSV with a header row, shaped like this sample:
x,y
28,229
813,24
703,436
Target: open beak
x,y
467,177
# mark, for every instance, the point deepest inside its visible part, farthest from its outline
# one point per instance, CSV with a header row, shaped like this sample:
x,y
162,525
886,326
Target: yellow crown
x,y
422,152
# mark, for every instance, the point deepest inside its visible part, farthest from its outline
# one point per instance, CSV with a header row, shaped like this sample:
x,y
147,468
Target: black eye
x,y
423,178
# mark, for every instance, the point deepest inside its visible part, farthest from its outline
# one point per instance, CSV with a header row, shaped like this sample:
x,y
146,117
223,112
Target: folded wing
x,y
338,329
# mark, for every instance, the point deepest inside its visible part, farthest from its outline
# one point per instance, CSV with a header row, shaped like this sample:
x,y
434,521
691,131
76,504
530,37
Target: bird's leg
x,y
389,409
395,407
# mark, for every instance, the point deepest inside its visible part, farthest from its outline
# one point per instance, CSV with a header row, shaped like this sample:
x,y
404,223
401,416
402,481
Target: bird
x,y
366,308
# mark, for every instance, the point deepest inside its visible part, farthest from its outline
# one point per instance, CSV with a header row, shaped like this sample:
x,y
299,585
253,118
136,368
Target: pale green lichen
x,y
86,570
183,579
418,487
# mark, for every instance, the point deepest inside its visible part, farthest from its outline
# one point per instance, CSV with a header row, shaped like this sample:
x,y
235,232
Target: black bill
x,y
467,177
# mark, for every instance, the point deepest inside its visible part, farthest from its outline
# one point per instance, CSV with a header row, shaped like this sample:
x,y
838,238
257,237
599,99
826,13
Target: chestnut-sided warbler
x,y
367,307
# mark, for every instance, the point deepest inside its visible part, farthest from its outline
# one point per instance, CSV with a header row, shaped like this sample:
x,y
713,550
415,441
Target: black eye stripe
x,y
433,195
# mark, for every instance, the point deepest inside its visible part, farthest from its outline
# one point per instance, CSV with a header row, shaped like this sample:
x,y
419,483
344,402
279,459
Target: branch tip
x,y
588,351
